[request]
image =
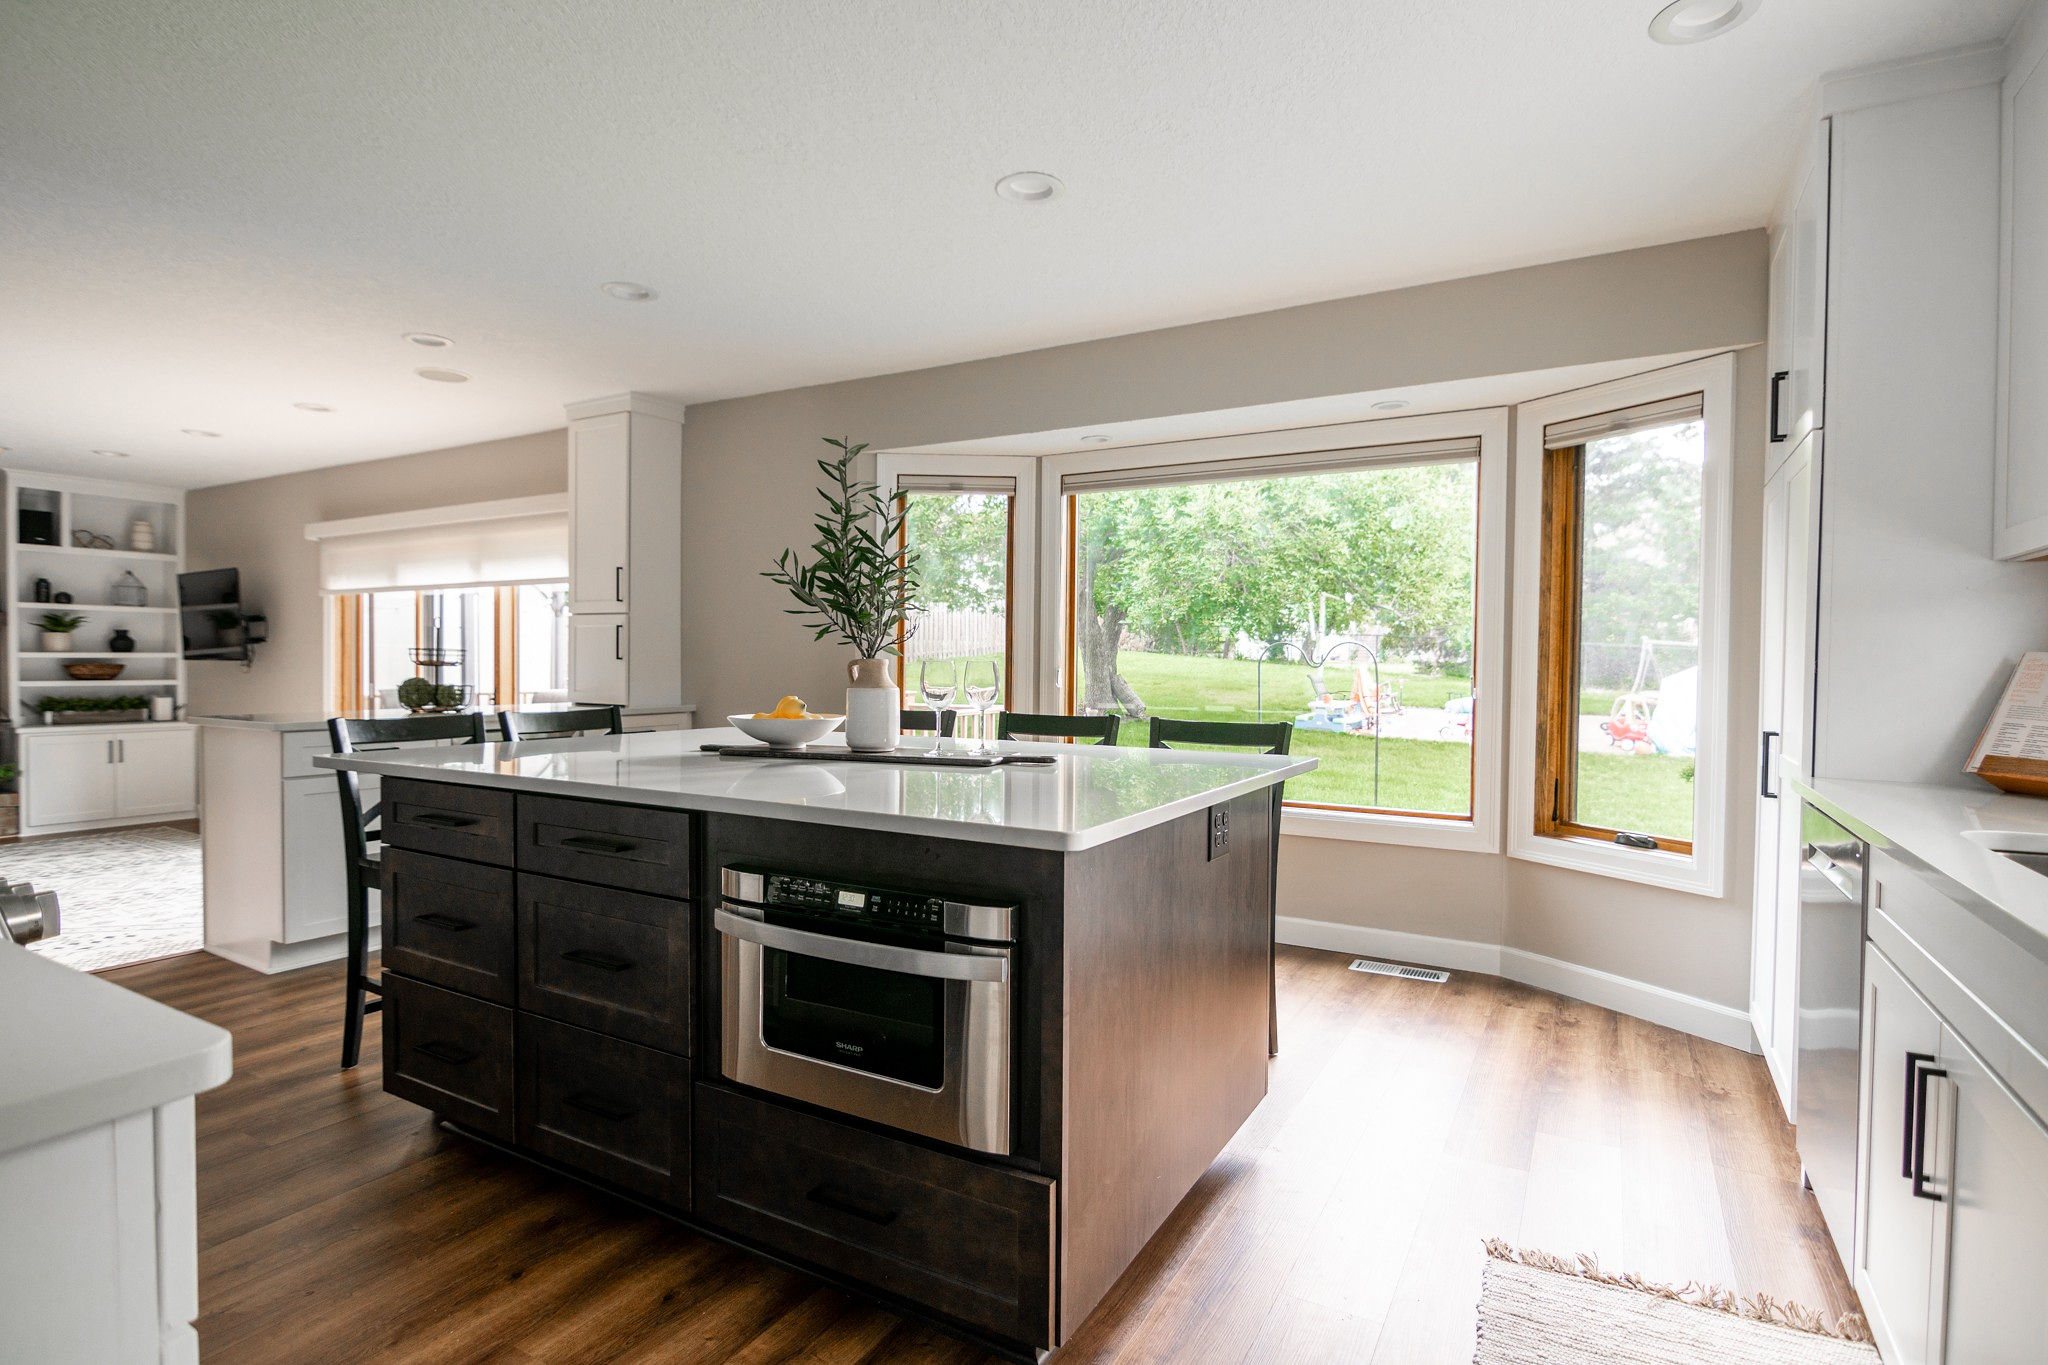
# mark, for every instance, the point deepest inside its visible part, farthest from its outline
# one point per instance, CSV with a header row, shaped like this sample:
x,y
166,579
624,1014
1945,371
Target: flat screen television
x,y
206,602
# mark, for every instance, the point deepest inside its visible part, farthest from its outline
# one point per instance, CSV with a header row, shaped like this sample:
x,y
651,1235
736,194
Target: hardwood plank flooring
x,y
1404,1123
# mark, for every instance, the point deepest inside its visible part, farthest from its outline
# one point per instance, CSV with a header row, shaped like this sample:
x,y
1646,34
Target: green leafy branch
x,y
859,585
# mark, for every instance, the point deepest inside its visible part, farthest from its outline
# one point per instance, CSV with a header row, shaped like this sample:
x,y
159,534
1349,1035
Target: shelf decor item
x,y
91,540
142,536
57,627
42,590
228,624
89,672
120,641
128,591
92,710
860,587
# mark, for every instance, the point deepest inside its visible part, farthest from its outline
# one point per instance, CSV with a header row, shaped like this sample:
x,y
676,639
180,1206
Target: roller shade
x,y
1662,413
1270,466
519,540
1001,484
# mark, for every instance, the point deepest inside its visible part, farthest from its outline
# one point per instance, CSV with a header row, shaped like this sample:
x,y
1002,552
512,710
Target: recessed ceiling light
x,y
1695,21
431,340
1390,405
440,376
113,454
199,431
1029,187
1095,440
628,291
312,407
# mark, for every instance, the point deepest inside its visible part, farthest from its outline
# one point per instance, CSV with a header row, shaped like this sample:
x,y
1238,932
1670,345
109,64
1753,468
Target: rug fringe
x,y
1757,1308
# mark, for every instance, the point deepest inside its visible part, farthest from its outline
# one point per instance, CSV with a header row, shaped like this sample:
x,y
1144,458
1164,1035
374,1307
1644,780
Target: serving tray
x,y
923,758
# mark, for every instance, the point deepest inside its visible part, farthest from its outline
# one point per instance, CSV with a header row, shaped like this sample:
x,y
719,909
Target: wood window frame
x,y
1561,604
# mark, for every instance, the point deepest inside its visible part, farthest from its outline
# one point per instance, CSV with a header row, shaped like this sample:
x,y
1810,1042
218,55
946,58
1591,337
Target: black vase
x,y
121,642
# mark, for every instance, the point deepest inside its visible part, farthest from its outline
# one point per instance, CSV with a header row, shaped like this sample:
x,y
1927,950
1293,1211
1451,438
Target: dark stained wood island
x,y
557,981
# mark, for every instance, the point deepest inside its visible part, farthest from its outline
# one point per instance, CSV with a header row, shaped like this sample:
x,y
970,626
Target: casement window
x,y
963,530
1622,629
1341,578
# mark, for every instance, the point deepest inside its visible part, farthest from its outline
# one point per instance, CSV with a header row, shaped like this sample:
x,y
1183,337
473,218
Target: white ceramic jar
x,y
874,708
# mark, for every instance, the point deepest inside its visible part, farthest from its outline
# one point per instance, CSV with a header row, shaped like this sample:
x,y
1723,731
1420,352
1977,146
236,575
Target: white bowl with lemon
x,y
791,725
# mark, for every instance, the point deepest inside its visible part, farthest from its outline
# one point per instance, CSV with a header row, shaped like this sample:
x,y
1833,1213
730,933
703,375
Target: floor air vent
x,y
1366,964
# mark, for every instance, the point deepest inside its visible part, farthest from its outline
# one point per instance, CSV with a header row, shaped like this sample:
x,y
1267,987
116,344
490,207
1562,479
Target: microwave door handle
x,y
989,966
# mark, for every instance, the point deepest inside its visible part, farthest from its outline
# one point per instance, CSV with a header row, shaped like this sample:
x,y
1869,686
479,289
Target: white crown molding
x,y
647,405
539,505
1914,78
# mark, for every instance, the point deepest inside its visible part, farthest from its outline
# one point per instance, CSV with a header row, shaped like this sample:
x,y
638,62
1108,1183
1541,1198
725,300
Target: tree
x,y
962,541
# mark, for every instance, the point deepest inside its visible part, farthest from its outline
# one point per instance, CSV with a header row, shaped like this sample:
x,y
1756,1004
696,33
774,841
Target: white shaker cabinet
x,y
1895,1258
2022,492
104,775
1797,347
67,779
625,553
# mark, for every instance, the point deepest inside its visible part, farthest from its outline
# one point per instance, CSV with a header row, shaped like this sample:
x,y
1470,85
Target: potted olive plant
x,y
57,627
858,585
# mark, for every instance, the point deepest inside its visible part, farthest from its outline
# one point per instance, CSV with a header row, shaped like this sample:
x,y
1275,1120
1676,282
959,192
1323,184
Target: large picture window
x,y
963,533
506,646
1334,589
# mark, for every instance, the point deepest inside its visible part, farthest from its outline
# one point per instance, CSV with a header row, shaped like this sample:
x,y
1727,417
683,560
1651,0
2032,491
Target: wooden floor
x,y
1405,1123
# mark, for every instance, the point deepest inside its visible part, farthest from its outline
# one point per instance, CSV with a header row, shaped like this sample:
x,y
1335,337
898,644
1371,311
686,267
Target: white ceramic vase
x,y
56,642
874,708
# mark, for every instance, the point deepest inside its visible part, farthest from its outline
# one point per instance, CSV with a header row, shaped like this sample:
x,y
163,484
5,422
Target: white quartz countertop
x,y
76,1051
1954,833
1091,796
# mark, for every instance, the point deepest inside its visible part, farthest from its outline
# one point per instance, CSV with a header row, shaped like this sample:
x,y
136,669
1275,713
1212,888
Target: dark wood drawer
x,y
450,923
440,817
616,1110
970,1240
607,960
632,847
449,1053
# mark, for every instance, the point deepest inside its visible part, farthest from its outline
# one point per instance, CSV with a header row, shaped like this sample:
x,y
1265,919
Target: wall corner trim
x,y
646,404
1639,999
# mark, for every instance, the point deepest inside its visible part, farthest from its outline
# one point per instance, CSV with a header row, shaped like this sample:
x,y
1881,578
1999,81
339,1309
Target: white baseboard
x,y
1638,999
271,958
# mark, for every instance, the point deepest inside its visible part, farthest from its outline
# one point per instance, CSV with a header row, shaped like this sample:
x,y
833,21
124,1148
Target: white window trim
x,y
1027,670
1482,832
1705,871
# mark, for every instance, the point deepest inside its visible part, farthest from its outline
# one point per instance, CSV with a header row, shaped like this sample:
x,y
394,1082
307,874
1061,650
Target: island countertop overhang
x,y
1092,796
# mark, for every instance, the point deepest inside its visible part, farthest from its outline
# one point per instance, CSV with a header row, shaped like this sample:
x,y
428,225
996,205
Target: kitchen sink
x,y
2028,848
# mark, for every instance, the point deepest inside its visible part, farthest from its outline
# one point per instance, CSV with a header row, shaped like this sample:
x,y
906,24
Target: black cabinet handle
x,y
1917,1138
446,1052
437,820
608,1110
1777,380
604,962
833,1199
591,843
1913,1060
1764,766
619,583
440,921
618,642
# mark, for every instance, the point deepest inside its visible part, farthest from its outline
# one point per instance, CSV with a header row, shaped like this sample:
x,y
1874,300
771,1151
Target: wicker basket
x,y
95,672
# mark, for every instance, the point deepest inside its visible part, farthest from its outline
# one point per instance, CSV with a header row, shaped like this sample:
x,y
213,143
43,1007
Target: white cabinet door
x,y
69,778
1895,1259
597,659
156,772
600,513
1994,1155
2022,495
315,879
1778,347
1800,395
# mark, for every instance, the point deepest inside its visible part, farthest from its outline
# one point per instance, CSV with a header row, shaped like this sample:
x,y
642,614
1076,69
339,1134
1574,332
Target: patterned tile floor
x,y
126,895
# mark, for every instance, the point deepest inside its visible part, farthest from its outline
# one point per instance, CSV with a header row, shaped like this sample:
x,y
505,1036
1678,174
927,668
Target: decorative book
x,y
2012,753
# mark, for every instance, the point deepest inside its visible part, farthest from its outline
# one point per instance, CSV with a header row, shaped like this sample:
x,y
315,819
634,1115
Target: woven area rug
x,y
125,895
1540,1309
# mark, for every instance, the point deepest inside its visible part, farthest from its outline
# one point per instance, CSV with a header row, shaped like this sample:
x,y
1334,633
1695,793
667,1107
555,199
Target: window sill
x,y
1692,873
1465,836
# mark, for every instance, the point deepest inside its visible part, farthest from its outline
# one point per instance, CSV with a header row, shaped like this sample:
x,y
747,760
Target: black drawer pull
x,y
437,820
590,843
438,920
600,1106
604,962
833,1199
446,1052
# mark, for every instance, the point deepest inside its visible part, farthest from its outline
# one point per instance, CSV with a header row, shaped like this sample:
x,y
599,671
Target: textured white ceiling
x,y
213,209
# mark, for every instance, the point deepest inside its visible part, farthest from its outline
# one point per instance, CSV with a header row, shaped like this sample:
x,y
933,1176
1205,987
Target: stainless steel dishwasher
x,y
1831,880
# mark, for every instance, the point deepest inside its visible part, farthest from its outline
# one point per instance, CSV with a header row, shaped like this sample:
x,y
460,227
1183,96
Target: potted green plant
x,y
10,801
57,627
92,710
859,585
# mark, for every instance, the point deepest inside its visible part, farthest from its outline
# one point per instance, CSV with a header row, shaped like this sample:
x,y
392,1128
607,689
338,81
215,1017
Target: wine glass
x,y
981,679
938,680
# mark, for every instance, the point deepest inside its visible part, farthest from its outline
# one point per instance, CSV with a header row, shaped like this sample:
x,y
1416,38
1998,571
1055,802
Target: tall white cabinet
x,y
91,776
625,553
2022,493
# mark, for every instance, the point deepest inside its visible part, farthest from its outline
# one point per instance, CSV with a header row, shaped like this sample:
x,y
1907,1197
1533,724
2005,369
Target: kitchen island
x,y
960,1039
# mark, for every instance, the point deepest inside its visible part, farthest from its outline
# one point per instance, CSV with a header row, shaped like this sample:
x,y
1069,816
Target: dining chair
x,y
361,848
588,720
1025,725
928,722
1266,737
